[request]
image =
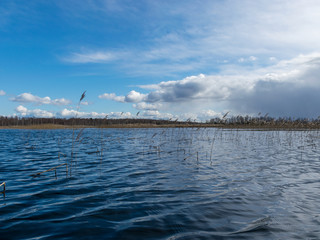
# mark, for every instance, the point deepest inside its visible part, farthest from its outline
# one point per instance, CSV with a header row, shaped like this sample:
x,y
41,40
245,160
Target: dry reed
x,y
4,186
51,169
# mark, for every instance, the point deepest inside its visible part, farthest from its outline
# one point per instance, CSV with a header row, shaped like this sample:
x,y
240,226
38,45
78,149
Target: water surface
x,y
160,184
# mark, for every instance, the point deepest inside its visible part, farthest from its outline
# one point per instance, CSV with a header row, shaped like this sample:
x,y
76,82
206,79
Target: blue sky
x,y
164,59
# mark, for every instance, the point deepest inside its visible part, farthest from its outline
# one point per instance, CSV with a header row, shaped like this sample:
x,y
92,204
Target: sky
x,y
161,59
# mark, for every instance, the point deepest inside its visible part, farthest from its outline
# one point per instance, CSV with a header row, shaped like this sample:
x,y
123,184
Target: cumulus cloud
x,y
147,106
21,109
24,112
2,93
154,114
120,115
66,113
288,88
112,96
199,87
29,98
208,114
150,114
134,97
131,97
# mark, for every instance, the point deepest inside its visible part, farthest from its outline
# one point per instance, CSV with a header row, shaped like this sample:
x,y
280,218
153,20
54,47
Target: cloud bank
x,y
153,114
288,88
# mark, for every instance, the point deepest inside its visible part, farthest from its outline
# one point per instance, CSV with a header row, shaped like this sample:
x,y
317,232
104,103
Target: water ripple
x,y
160,184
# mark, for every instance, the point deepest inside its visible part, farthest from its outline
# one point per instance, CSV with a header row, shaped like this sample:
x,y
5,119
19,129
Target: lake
x,y
175,183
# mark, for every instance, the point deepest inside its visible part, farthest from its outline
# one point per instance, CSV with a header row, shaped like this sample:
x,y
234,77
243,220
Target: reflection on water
x,y
160,184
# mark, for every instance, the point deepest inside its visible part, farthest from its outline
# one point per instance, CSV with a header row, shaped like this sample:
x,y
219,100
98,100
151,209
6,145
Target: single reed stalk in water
x,y
4,186
51,169
73,129
211,150
196,153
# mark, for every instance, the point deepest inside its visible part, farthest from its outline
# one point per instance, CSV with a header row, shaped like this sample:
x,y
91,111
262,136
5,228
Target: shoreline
x,y
180,125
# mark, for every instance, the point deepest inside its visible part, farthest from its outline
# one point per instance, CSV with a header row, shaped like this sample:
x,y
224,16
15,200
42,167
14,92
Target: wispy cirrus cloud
x,y
30,98
91,57
176,40
2,93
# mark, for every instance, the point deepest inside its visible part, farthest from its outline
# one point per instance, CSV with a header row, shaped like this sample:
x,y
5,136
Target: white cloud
x,y
153,114
249,59
60,101
134,96
85,103
24,112
21,109
252,58
2,93
149,114
147,106
112,96
29,98
131,97
188,116
66,113
208,114
120,115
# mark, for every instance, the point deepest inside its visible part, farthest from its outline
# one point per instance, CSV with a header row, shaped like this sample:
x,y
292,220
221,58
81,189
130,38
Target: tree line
x,y
27,121
233,121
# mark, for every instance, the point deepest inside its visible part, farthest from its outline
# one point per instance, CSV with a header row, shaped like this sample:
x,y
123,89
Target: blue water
x,y
160,184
